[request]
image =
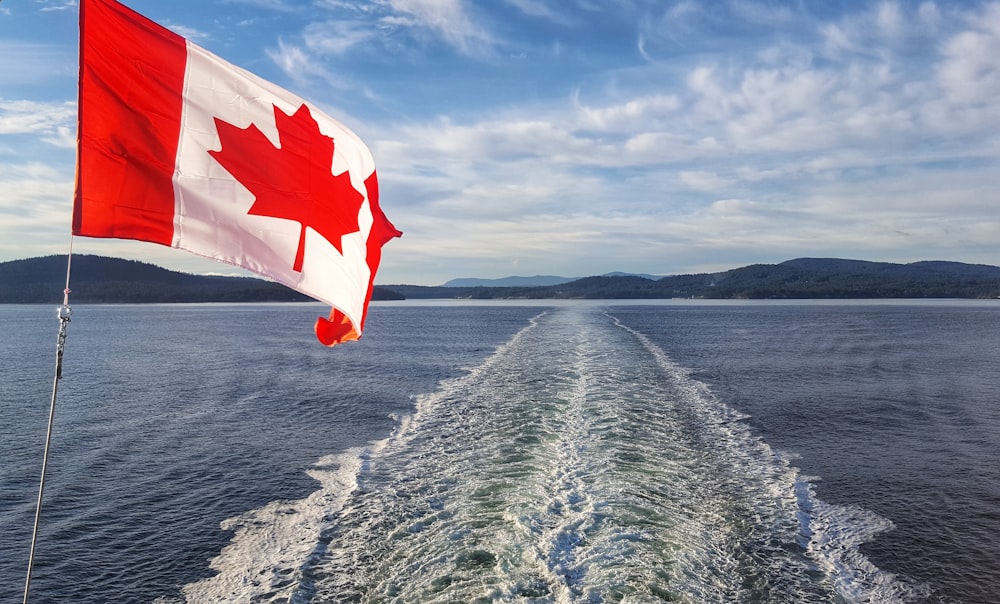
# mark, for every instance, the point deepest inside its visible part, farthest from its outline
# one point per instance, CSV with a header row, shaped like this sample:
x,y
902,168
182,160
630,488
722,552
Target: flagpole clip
x,y
65,316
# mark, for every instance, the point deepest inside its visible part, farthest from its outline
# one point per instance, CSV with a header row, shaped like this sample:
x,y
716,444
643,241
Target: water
x,y
563,452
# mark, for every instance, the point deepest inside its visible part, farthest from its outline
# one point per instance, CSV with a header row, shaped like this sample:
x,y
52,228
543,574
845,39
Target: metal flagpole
x,y
65,313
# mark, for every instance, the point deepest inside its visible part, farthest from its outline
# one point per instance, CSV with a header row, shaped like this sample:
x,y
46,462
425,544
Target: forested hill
x,y
111,280
802,278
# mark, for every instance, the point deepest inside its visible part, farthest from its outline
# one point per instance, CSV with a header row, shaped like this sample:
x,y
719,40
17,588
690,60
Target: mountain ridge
x,y
534,281
511,281
99,279
799,278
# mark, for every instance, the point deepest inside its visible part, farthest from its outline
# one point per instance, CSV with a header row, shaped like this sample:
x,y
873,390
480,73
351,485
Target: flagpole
x,y
65,315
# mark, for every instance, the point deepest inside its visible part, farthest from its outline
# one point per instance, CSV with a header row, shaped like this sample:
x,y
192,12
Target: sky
x,y
581,137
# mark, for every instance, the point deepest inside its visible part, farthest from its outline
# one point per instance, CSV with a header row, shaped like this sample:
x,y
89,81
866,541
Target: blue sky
x,y
579,137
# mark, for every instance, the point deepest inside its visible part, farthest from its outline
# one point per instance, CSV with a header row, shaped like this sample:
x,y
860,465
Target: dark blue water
x,y
525,453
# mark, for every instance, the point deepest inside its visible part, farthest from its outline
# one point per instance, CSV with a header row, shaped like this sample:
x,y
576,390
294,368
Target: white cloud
x,y
275,5
929,16
378,28
297,62
538,8
642,112
51,120
64,137
189,33
970,70
889,19
35,209
445,18
336,37
702,180
58,6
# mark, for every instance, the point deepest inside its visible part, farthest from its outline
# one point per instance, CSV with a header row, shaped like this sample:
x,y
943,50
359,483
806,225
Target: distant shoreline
x,y
98,279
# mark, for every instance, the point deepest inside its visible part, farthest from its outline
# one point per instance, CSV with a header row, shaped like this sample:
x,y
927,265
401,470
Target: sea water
x,y
484,452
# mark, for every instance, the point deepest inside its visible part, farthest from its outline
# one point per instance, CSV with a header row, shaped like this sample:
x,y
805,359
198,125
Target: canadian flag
x,y
181,148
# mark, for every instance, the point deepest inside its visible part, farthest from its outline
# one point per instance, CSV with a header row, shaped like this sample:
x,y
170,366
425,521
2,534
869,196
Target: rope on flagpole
x,y
65,315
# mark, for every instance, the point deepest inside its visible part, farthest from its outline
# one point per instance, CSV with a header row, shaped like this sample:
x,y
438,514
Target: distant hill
x,y
515,281
536,281
643,275
802,278
111,280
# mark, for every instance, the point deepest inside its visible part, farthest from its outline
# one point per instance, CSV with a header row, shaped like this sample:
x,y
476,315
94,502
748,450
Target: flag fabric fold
x,y
178,147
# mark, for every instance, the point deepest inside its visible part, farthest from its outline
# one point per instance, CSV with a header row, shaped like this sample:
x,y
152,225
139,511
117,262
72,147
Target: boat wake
x,y
577,463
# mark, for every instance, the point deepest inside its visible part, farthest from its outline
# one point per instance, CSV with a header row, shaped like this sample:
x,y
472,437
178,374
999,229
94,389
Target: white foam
x,y
427,402
272,545
264,560
836,534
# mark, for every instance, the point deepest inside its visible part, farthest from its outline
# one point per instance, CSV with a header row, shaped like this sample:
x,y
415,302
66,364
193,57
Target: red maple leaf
x,y
293,181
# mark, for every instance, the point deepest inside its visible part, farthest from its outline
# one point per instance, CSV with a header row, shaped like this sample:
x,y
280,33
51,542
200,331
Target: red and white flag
x,y
180,148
